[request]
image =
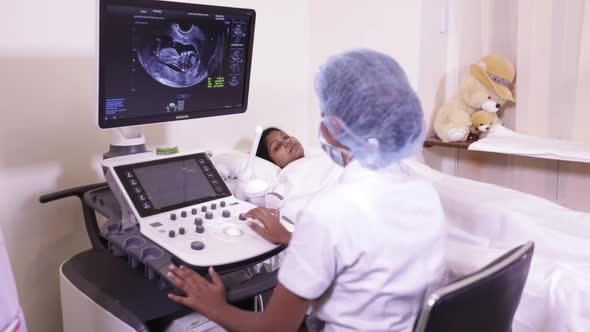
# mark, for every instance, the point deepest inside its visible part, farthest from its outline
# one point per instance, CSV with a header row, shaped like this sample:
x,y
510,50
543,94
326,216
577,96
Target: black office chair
x,y
484,301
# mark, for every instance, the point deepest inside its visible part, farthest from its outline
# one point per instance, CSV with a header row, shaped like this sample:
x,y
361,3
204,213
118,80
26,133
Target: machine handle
x,y
77,191
89,215
258,284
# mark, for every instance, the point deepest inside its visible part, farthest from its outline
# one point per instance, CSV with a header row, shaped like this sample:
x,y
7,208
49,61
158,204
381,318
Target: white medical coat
x,y
11,316
366,249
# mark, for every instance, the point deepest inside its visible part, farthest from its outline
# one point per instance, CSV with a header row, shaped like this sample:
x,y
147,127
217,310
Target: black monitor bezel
x,y
165,5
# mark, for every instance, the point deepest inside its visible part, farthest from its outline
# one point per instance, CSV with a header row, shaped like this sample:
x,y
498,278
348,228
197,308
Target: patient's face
x,y
282,148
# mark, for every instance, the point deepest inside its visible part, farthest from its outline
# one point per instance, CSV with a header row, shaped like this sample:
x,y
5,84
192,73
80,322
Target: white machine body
x,y
202,227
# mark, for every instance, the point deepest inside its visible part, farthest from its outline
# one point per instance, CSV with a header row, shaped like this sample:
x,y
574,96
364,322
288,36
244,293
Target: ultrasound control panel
x,y
182,204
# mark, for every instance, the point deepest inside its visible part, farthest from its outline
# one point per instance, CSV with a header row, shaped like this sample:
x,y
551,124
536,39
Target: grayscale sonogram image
x,y
178,55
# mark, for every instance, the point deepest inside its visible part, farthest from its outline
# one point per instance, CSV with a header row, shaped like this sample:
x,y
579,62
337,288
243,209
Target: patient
x,y
278,147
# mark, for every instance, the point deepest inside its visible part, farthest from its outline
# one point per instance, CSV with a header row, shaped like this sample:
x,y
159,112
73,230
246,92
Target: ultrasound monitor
x,y
164,61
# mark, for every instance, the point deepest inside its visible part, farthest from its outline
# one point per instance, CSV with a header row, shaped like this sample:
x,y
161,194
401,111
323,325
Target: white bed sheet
x,y
484,221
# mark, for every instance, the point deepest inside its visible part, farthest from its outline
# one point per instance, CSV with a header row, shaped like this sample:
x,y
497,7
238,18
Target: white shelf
x,y
505,141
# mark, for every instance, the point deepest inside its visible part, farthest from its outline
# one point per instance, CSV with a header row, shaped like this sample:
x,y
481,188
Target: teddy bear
x,y
481,123
488,87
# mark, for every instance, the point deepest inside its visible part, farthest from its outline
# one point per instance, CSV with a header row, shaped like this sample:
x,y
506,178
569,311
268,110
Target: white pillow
x,y
229,164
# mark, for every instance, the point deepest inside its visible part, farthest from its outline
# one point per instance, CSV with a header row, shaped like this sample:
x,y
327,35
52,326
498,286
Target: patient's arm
x,y
272,229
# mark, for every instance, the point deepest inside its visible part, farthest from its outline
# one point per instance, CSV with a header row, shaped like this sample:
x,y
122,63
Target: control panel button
x,y
210,175
137,190
197,245
194,211
200,229
129,174
156,224
173,216
222,203
225,214
203,208
209,215
141,197
214,182
206,168
133,182
242,216
213,206
146,205
233,231
218,189
183,214
181,231
202,162
198,221
171,233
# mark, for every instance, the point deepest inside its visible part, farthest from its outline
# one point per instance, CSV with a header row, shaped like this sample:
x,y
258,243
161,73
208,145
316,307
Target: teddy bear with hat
x,y
488,88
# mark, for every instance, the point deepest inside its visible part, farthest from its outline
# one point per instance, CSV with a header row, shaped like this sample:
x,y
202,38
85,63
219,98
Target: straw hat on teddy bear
x,y
496,73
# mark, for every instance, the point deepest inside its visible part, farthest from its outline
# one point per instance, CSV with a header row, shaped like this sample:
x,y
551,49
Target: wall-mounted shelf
x,y
435,141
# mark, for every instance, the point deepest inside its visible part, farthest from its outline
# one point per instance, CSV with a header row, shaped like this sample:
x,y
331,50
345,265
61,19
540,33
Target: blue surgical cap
x,y
368,93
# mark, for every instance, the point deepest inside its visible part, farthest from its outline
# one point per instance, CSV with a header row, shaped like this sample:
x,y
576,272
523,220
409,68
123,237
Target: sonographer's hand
x,y
273,230
202,296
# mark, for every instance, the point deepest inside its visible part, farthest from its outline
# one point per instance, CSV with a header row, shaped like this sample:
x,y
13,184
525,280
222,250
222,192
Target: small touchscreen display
x,y
174,183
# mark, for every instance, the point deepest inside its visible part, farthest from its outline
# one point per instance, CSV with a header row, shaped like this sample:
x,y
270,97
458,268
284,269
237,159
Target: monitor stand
x,y
126,141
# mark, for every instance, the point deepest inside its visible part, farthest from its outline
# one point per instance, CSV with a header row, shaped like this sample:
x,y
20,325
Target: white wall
x,y
389,26
49,140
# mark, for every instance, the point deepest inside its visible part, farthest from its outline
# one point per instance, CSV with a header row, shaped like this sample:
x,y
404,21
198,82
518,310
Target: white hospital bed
x,y
483,222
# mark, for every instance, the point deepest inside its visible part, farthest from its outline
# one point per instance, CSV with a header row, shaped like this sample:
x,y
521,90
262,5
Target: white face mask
x,y
336,154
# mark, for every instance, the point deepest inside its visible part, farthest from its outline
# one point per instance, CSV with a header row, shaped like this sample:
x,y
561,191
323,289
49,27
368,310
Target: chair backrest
x,y
484,301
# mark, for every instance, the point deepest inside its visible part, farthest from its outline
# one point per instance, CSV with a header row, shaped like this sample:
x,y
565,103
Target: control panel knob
x,y
171,233
225,214
194,211
197,245
242,217
213,206
198,221
209,215
183,214
200,229
181,231
203,208
222,203
173,216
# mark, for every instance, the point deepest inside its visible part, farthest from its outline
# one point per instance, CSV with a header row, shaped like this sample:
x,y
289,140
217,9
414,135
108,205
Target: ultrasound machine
x,y
158,62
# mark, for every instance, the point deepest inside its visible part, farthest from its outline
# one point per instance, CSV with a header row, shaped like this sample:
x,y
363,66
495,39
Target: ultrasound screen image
x,y
164,62
179,56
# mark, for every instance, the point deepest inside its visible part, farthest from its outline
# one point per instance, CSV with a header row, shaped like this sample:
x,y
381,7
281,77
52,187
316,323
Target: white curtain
x,y
549,43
